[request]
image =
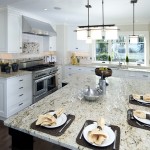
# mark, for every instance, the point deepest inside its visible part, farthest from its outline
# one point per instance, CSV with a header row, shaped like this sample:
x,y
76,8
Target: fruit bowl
x,y
103,72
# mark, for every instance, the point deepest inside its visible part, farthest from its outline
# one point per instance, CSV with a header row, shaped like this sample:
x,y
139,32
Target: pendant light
x,y
133,38
95,32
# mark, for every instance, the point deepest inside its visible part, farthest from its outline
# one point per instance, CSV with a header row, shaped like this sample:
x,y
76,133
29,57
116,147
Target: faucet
x,y
102,86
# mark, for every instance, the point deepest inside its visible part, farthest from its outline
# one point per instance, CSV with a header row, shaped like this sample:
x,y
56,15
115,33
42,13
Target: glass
x,y
40,86
118,49
101,50
136,51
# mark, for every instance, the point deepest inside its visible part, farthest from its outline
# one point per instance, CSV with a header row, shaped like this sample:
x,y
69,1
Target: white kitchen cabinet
x,y
71,70
10,31
52,43
59,77
15,94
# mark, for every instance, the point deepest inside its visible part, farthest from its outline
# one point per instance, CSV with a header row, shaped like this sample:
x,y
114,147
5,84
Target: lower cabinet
x,y
59,77
70,70
15,94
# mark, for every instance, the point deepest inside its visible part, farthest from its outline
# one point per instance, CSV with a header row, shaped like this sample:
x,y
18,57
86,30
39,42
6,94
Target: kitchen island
x,y
113,107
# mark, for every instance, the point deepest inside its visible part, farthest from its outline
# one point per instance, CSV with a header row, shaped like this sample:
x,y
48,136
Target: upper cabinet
x,y
10,31
52,43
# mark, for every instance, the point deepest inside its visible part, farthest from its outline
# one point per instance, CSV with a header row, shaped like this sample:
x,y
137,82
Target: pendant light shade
x,y
133,38
111,33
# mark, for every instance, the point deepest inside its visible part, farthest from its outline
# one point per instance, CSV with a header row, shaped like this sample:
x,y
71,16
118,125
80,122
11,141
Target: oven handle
x,y
44,78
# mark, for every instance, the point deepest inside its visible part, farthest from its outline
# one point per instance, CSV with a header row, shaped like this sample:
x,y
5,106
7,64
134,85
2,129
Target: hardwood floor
x,y
5,141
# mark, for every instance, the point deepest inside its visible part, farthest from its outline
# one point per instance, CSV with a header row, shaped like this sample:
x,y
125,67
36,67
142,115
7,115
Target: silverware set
x,y
114,145
131,117
64,125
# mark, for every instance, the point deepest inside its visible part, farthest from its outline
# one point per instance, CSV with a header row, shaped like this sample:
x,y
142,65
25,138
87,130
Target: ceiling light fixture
x,y
133,38
93,32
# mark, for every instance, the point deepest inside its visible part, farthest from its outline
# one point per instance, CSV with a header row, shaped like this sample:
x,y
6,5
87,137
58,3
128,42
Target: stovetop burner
x,y
38,67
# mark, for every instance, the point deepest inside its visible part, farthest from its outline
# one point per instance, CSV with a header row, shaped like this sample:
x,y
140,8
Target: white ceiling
x,y
74,11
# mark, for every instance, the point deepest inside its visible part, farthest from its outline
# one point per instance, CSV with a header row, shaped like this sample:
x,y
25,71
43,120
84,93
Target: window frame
x,y
146,48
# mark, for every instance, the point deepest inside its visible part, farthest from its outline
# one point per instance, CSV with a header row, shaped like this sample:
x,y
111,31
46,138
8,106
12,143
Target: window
x,y
119,49
136,51
101,50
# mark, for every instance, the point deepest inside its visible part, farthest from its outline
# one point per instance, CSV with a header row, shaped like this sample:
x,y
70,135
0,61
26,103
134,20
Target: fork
x,y
142,124
85,124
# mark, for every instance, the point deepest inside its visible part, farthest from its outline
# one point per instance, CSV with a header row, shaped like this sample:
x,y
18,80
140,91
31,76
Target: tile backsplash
x,y
30,47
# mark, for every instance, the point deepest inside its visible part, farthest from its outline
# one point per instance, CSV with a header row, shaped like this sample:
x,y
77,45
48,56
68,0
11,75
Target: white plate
x,y
142,101
146,121
60,120
108,130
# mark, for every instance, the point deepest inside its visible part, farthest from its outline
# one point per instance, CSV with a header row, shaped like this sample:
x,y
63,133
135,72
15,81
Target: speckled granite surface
x,y
113,107
14,74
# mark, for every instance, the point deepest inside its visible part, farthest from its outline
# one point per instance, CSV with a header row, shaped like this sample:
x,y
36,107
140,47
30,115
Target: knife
x,y
114,146
65,125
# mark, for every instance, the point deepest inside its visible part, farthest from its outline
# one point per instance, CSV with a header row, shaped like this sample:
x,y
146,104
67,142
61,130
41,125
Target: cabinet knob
x,y
21,80
20,104
20,47
21,95
21,88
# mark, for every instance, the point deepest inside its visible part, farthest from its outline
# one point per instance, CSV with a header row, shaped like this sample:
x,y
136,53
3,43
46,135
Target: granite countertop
x,y
14,74
113,107
114,67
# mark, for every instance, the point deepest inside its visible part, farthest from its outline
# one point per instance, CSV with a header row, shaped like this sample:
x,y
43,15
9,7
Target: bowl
x,y
92,94
105,73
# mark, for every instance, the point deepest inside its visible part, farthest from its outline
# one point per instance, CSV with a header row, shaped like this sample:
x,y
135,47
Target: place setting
x,y
98,135
139,118
142,100
53,122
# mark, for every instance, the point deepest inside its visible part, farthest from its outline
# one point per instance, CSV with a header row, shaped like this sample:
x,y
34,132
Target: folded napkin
x,y
145,97
141,114
98,136
48,119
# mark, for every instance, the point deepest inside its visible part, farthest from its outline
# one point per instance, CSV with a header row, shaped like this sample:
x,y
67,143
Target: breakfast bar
x,y
112,106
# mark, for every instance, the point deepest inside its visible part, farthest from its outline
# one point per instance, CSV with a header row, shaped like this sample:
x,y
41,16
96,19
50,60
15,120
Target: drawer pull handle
x,y
21,95
145,76
20,104
21,80
21,88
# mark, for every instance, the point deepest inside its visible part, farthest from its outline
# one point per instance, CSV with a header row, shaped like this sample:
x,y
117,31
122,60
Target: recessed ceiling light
x,y
45,9
57,8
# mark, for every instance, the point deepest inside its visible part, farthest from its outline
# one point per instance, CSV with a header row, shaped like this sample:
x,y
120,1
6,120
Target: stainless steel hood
x,y
32,26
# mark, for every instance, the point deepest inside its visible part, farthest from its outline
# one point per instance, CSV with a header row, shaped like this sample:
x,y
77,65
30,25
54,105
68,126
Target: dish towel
x,y
48,119
141,114
145,97
97,136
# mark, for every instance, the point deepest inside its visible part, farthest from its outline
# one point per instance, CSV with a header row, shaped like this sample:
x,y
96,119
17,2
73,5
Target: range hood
x,y
32,26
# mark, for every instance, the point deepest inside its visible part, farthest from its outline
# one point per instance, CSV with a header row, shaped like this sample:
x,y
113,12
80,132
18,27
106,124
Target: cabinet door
x,y
59,77
3,31
14,33
52,45
2,98
19,93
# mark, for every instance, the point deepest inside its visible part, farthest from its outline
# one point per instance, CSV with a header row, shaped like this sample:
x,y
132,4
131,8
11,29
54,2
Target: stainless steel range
x,y
45,78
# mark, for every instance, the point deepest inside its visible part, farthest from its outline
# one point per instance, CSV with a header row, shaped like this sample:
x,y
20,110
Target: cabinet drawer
x,y
14,85
16,98
18,107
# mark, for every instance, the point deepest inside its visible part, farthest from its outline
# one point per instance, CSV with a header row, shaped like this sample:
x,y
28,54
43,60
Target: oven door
x,y
39,87
52,83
